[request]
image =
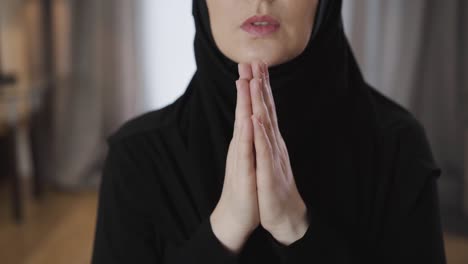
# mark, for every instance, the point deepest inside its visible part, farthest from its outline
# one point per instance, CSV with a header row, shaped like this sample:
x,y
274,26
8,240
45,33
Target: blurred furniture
x,y
28,109
16,111
8,132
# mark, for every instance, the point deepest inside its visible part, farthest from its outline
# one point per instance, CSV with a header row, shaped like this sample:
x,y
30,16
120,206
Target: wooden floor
x,y
57,229
60,229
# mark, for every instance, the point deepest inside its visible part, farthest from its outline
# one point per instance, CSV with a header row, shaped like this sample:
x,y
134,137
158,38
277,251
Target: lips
x,y
260,26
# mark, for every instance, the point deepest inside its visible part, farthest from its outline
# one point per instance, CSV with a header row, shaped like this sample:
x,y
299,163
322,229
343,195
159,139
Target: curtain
x,y
415,52
83,59
95,85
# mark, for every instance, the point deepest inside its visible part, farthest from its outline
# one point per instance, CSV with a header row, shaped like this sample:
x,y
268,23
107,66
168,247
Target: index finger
x,y
243,104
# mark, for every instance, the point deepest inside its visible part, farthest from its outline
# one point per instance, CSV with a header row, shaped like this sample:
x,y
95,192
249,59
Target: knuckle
x,y
262,117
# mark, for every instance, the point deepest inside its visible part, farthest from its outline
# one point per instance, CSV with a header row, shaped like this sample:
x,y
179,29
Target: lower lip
x,y
260,31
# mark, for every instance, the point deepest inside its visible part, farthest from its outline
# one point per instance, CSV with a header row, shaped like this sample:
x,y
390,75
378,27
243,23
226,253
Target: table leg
x,y
16,192
35,135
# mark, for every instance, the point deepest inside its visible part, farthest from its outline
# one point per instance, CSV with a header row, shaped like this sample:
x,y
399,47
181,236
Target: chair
x,y
8,133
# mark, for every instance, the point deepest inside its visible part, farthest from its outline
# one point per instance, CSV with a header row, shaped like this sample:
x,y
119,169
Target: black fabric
x,y
320,99
361,162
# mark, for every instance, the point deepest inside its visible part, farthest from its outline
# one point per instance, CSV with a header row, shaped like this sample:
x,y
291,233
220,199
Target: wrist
x,y
227,234
292,230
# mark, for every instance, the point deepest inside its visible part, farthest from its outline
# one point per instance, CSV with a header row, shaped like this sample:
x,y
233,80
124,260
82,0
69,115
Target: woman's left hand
x,y
282,209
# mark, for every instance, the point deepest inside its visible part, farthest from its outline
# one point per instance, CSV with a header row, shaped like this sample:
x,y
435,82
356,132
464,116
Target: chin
x,y
271,57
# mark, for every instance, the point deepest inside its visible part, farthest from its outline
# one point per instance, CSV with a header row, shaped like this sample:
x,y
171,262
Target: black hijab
x,y
325,115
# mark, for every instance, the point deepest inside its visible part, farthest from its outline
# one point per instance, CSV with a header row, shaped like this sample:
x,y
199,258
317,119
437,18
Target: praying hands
x,y
259,186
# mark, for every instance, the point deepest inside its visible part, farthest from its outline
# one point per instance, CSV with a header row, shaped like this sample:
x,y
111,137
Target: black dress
x,y
149,201
361,163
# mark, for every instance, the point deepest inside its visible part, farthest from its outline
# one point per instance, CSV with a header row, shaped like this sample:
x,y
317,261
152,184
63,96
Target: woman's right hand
x,y
236,215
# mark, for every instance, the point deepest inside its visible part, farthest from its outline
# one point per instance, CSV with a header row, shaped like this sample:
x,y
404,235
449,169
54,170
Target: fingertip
x,y
240,68
242,84
261,64
256,84
245,71
257,69
255,81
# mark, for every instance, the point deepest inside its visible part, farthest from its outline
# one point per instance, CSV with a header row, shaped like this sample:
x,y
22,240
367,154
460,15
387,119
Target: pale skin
x,y
295,16
259,186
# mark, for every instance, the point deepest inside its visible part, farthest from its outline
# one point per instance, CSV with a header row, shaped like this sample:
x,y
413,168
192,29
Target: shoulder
x,y
394,119
132,152
147,123
400,128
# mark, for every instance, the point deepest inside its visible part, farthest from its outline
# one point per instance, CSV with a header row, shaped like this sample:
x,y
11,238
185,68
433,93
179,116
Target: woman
x,y
277,152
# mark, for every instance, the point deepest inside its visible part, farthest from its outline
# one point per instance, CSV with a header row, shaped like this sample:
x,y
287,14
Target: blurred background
x,y
72,71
